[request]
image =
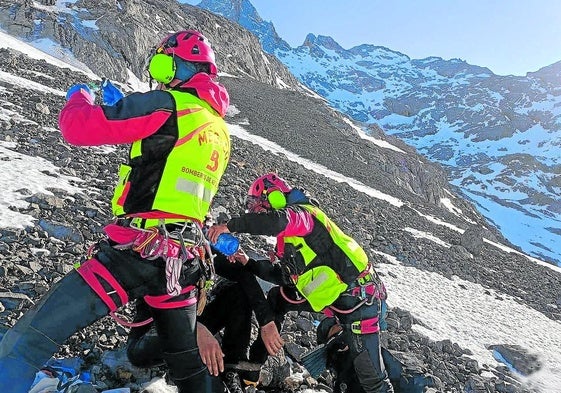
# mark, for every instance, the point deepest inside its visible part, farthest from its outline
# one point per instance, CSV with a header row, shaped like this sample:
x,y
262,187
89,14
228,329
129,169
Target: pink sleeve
x,y
300,223
84,124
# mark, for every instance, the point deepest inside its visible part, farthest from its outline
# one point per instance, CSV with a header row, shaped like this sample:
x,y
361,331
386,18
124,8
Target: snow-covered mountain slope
x,y
498,136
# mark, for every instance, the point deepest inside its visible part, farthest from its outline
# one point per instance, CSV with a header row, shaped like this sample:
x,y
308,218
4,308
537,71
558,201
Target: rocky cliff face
x,y
111,37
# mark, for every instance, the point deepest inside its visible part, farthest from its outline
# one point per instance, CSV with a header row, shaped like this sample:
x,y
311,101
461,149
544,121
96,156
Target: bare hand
x,y
239,256
271,337
215,231
210,350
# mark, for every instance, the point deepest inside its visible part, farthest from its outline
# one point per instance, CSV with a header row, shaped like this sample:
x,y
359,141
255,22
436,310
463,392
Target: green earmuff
x,y
276,199
162,68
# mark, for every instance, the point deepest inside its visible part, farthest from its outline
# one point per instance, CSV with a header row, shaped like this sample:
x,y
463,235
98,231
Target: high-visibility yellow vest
x,y
189,173
321,285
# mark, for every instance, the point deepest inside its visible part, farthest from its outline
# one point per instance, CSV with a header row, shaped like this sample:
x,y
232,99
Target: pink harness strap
x,y
366,326
164,301
126,323
122,235
370,290
288,299
92,271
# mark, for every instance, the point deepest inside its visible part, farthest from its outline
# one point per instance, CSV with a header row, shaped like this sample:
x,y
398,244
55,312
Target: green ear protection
x,y
276,199
162,68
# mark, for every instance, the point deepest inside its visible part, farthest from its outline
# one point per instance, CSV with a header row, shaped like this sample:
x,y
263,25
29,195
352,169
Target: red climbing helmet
x,y
189,45
267,192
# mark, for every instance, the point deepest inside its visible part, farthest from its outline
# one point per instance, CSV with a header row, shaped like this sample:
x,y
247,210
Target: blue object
x,y
382,317
66,368
295,196
76,88
227,244
86,376
185,70
110,94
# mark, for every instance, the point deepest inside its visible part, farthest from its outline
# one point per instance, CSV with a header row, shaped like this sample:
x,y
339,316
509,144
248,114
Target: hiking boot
x,y
248,372
232,381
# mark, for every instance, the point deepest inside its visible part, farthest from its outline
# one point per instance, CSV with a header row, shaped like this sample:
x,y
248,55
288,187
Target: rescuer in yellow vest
x,y
179,150
319,268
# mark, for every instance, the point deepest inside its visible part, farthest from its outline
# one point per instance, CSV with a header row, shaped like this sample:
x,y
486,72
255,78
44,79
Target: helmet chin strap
x,y
163,86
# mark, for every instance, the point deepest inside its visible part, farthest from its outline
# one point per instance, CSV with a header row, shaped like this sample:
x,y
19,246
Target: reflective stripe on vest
x,y
321,286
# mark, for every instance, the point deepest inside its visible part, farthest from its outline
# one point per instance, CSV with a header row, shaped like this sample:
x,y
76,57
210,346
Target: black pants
x,y
71,305
227,309
360,367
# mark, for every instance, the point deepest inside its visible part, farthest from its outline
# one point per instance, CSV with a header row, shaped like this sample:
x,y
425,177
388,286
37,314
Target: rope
x,y
126,323
289,300
350,310
173,271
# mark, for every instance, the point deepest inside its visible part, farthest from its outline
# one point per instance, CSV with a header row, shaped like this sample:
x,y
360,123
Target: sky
x,y
467,313
510,37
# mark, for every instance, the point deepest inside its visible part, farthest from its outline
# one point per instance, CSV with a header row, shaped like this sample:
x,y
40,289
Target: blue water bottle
x,y
227,244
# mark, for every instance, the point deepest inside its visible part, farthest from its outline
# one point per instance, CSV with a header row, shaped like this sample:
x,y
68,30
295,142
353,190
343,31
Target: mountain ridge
x,y
475,123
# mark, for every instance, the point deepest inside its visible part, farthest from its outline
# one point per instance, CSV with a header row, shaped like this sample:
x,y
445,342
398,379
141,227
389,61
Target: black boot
x,y
233,382
68,307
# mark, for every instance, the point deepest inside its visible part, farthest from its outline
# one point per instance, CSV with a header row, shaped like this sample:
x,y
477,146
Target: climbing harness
x,y
184,242
365,326
95,274
367,287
